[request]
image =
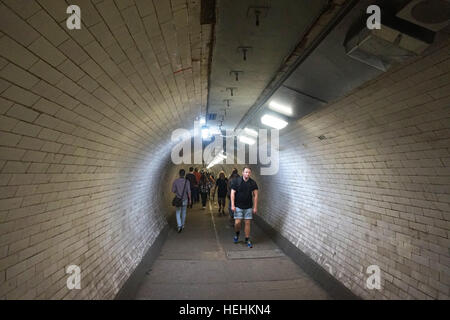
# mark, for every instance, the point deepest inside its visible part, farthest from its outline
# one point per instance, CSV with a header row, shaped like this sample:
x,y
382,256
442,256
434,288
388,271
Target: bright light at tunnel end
x,y
208,149
206,135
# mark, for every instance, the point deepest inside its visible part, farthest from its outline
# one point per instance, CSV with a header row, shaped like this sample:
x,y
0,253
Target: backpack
x,y
192,179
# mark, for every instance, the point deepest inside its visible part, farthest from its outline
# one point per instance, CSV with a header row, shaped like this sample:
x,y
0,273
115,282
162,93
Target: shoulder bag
x,y
178,202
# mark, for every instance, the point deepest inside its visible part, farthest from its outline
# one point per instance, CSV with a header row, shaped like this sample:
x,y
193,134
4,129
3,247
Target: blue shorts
x,y
246,214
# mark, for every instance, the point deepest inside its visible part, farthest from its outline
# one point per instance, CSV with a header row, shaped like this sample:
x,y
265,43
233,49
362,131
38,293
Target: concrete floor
x,y
203,263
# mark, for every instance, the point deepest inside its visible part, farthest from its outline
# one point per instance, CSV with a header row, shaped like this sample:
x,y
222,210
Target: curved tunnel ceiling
x,y
133,73
148,59
265,46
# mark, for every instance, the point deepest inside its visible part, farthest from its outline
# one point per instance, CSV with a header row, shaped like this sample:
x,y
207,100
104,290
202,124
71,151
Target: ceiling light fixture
x,y
273,121
281,108
259,12
247,140
232,90
236,74
244,51
251,132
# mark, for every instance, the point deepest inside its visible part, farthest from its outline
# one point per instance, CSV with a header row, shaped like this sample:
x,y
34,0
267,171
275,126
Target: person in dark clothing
x,y
196,187
221,187
204,186
211,180
244,203
192,183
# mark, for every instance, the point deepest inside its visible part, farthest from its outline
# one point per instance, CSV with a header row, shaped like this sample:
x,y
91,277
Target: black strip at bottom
x,y
329,283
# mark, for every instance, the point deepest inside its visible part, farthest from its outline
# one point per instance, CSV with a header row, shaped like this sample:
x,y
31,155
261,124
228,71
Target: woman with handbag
x,y
182,198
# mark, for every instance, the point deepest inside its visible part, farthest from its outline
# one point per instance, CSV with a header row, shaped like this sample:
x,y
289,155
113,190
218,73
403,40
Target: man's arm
x,y
189,192
255,201
233,192
174,190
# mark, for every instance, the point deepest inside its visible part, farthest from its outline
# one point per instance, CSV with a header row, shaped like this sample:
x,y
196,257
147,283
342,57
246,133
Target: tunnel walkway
x,y
202,262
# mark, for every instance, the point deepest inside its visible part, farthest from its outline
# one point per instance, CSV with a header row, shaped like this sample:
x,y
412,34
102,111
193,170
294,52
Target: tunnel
x,y
339,109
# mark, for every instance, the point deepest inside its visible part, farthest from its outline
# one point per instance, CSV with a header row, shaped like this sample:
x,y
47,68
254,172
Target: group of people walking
x,y
201,185
241,191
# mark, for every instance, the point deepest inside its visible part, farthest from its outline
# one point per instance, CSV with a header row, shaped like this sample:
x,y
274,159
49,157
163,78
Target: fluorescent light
x,y
205,133
247,140
286,110
251,132
202,121
273,121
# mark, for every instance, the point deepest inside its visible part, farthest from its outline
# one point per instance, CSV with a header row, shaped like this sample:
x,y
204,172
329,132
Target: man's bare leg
x,y
237,225
247,228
